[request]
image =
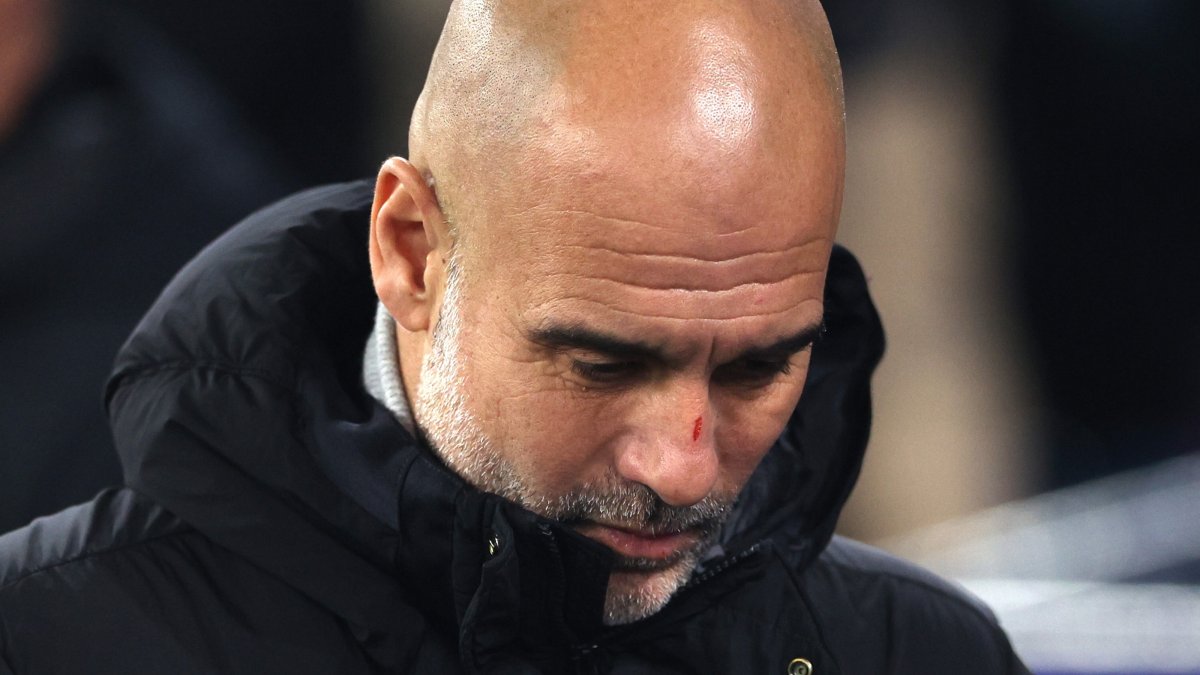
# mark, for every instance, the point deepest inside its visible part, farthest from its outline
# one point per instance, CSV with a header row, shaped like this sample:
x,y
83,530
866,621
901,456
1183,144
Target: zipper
x,y
723,566
586,660
558,581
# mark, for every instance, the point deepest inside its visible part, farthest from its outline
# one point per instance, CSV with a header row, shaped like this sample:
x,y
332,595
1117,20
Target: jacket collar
x,y
237,404
476,564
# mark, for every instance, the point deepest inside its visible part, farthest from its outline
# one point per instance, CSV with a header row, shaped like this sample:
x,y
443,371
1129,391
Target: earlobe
x,y
405,222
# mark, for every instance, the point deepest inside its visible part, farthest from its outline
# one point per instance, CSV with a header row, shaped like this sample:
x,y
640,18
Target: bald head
x,y
645,196
517,85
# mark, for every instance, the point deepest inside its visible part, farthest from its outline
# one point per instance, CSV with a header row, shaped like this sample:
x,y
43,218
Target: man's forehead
x,y
726,249
671,278
698,237
715,151
669,211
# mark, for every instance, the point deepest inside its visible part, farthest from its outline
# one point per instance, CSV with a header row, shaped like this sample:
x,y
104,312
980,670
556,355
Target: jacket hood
x,y
237,404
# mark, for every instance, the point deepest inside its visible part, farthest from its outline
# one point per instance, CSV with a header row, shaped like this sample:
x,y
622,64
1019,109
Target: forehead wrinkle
x,y
721,261
641,284
615,220
696,236
712,268
739,314
729,227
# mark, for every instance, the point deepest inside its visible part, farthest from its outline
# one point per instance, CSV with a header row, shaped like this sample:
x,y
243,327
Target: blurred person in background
x,y
117,162
296,73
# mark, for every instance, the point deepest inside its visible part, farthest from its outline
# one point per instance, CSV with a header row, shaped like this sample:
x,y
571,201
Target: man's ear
x,y
407,240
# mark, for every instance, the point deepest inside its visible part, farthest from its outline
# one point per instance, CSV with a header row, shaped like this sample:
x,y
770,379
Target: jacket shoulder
x,y
917,621
61,579
116,519
122,585
864,565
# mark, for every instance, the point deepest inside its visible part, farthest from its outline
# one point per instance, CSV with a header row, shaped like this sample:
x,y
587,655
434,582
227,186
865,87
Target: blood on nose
x,y
696,428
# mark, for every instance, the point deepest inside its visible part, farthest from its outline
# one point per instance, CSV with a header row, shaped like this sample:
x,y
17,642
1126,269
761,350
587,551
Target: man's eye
x,y
603,371
753,372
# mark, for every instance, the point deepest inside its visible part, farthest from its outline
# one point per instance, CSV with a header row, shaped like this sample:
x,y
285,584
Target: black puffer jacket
x,y
279,520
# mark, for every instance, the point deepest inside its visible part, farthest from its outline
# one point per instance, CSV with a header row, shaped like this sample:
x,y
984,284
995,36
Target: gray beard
x,y
637,588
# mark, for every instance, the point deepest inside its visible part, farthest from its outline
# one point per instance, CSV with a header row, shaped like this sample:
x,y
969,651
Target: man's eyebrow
x,y
573,336
788,345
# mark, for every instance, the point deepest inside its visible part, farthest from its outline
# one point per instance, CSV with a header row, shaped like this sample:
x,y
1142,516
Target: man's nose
x,y
671,447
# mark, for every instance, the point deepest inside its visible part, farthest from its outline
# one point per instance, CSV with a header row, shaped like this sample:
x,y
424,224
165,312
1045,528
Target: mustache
x,y
634,506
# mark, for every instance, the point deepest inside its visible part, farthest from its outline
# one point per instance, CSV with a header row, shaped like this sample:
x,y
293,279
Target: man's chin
x,y
639,590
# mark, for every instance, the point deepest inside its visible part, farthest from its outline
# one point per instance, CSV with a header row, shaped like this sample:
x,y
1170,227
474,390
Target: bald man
x,y
613,395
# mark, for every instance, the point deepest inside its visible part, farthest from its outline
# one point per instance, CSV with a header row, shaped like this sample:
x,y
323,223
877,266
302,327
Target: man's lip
x,y
640,544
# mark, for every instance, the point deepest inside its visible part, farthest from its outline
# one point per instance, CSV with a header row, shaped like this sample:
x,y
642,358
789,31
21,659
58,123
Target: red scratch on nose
x,y
696,429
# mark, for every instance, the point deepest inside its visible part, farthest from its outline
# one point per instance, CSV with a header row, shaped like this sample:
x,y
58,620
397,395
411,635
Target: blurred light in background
x,y
1095,578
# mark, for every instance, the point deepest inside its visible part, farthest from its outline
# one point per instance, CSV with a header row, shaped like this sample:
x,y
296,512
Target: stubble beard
x,y
637,587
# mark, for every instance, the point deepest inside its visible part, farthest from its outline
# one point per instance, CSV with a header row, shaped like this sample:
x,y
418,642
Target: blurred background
x,y
1022,190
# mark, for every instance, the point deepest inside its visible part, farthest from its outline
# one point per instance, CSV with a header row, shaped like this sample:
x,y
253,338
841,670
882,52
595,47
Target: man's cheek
x,y
740,450
557,427
746,432
542,402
